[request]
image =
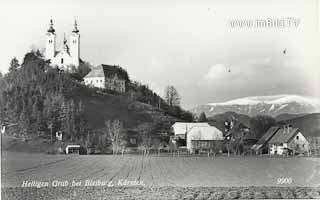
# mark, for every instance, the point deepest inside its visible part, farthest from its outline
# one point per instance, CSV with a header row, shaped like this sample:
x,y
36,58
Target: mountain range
x,y
262,105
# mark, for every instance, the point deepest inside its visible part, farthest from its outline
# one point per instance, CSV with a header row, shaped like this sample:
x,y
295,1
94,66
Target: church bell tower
x,y
75,44
50,41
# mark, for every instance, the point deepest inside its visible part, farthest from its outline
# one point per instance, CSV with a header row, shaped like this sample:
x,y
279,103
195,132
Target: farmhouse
x,y
203,138
288,139
108,77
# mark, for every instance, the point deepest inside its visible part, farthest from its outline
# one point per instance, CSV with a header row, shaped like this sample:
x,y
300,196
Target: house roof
x,y
268,135
95,72
183,127
108,71
284,135
204,133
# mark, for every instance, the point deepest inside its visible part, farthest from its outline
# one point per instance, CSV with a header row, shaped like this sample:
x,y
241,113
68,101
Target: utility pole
x,y
50,126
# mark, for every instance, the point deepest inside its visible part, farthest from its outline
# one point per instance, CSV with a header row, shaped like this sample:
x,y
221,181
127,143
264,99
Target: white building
x,y
68,57
109,77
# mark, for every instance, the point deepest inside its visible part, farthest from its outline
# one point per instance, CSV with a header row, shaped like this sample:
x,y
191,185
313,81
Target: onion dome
x,y
51,29
75,27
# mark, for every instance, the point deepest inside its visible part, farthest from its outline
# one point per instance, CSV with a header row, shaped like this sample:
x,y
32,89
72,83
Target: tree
x,y
115,131
14,65
235,145
260,124
202,117
172,96
36,97
145,131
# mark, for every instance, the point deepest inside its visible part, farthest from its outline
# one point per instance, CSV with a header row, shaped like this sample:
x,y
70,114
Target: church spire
x,y
75,27
64,38
51,29
65,45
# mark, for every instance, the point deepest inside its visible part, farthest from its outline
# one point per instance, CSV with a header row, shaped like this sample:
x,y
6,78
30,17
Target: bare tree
x,y
123,143
145,131
115,131
172,96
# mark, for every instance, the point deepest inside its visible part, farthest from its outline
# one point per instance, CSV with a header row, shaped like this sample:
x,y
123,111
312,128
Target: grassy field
x,y
254,177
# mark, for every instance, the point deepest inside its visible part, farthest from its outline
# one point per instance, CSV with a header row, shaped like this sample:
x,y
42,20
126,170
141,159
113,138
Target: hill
x,y
219,119
37,100
100,107
262,105
286,116
308,124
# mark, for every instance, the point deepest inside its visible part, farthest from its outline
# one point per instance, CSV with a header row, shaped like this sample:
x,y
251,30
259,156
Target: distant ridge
x,y
262,105
309,124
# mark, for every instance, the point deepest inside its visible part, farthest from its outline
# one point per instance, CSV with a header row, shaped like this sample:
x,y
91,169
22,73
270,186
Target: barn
x,y
180,129
206,138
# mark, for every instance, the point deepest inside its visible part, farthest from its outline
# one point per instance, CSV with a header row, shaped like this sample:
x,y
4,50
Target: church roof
x,y
58,52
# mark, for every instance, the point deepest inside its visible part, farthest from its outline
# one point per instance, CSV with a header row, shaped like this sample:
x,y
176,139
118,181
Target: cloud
x,y
244,70
216,72
255,76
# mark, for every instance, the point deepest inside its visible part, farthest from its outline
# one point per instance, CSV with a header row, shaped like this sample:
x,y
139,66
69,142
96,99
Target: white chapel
x,y
68,57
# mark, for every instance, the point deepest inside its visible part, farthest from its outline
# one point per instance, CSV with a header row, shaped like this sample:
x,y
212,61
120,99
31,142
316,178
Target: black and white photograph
x,y
160,99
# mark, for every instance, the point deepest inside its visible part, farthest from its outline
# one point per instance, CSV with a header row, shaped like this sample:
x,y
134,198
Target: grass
x,y
102,106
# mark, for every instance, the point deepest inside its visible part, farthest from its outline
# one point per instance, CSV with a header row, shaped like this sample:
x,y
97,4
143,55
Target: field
x,y
164,177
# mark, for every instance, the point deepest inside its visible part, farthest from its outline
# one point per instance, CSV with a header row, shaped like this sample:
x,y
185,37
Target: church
x,y
68,57
109,77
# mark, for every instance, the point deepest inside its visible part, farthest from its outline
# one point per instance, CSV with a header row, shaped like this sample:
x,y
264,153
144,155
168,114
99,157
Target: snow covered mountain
x,y
262,105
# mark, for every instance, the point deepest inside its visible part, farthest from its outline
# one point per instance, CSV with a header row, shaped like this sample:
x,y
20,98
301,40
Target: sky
x,y
189,44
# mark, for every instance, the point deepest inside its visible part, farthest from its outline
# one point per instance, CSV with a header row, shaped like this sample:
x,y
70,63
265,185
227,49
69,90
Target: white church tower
x,y
75,44
50,41
69,55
